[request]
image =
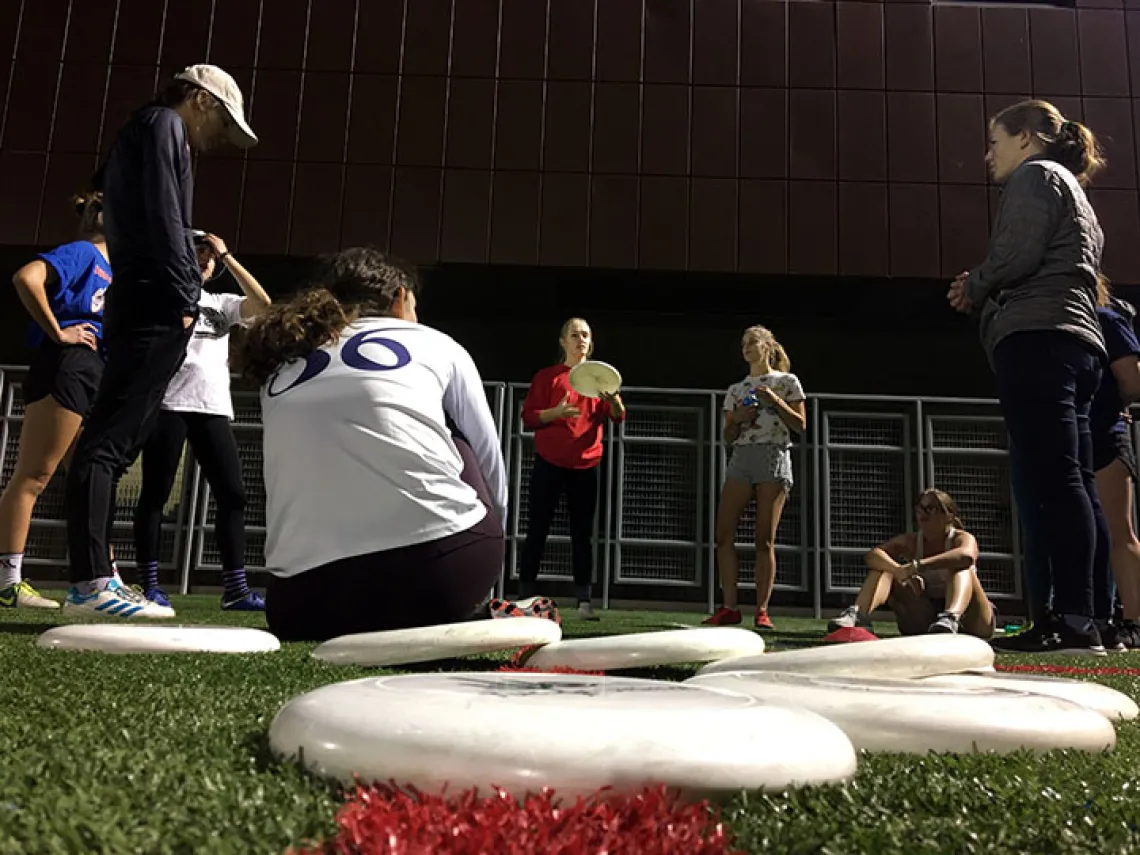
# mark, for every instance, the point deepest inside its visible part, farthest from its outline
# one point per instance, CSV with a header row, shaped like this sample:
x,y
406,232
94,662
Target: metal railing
x,y
858,470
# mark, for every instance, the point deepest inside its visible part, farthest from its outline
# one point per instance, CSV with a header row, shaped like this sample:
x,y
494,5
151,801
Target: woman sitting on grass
x,y
929,579
378,517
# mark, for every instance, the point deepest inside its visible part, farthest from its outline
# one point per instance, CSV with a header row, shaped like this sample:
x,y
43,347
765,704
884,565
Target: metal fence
x,y
858,470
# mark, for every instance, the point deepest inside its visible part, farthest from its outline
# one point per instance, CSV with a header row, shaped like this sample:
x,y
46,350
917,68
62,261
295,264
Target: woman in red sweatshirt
x,y
568,448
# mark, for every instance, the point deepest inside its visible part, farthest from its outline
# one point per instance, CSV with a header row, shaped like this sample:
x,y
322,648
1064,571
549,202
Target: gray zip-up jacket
x,y
1044,255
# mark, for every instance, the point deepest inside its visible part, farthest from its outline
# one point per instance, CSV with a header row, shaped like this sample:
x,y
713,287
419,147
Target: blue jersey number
x,y
350,354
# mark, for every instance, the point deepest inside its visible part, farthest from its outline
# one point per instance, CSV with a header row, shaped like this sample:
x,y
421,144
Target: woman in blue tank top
x,y
63,290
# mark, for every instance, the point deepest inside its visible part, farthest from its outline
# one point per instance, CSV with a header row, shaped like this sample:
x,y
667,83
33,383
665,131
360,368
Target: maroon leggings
x,y
441,581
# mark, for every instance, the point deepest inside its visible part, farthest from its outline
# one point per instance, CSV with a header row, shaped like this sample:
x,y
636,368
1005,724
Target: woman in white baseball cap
x,y
150,314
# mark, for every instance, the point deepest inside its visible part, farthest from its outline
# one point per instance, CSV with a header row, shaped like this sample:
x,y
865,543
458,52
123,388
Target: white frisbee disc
x,y
430,643
573,733
150,638
1113,705
647,649
593,378
902,658
913,717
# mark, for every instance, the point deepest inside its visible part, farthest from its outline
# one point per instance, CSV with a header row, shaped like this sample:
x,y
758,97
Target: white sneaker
x,y
114,601
586,611
23,596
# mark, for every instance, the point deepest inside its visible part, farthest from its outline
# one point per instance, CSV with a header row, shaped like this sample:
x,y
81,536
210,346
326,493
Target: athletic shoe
x,y
250,601
724,616
114,601
586,611
1114,638
23,596
946,623
850,618
498,608
1053,635
155,595
540,607
1130,633
762,621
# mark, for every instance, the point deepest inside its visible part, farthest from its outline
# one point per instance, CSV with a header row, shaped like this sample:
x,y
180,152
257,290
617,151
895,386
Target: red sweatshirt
x,y
574,443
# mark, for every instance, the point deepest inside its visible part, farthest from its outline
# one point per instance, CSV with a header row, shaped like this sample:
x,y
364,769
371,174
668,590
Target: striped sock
x,y
236,584
148,575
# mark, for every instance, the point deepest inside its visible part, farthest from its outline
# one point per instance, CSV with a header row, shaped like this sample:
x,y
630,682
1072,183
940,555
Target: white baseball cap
x,y
223,87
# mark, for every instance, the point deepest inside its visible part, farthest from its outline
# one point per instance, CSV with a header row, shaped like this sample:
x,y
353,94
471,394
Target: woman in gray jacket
x,y
1036,297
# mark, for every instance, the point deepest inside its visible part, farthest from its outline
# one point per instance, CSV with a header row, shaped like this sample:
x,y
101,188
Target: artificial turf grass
x,y
164,754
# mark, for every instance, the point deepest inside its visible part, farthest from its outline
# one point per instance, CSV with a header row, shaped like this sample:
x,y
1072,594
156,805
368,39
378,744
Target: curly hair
x,y
348,285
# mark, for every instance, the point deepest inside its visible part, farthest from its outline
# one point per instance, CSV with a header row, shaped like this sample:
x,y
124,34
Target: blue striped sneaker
x,y
114,601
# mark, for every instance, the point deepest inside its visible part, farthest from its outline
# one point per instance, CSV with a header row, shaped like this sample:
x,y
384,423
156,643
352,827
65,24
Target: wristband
x,y
222,258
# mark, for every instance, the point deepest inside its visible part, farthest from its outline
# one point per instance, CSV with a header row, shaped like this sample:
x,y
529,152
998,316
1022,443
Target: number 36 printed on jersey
x,y
352,357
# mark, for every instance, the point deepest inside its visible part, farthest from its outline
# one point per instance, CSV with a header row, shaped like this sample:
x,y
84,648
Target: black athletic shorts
x,y
1114,446
70,373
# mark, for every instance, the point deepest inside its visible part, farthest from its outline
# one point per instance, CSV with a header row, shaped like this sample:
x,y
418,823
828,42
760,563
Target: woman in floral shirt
x,y
761,413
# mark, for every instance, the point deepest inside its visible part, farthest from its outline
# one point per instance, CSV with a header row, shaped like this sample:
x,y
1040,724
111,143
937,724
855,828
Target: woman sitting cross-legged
x,y
929,578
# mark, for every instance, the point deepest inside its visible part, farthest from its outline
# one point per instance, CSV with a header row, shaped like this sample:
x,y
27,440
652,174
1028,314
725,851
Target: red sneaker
x,y
762,620
723,616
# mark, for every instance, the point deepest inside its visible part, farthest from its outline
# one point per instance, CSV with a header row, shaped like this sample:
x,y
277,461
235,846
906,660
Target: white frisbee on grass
x,y
151,638
573,733
899,658
647,649
432,643
593,378
1113,705
913,717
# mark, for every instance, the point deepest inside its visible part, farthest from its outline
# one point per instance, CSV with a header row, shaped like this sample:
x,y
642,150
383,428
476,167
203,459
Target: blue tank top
x,y
1120,341
84,277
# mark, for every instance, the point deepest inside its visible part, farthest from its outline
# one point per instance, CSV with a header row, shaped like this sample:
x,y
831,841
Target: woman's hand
x,y
744,415
959,300
217,245
564,410
83,334
765,395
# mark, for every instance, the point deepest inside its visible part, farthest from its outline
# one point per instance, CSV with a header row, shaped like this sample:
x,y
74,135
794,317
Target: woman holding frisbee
x,y
568,429
761,413
929,578
63,290
1036,296
377,516
198,408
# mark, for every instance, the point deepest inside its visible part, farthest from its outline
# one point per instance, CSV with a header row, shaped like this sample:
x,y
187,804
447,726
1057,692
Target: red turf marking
x,y
387,820
1070,669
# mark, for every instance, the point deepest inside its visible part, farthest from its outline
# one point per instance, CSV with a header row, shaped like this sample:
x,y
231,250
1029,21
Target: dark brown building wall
x,y
755,136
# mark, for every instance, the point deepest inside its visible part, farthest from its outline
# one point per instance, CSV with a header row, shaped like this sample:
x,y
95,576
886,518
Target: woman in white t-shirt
x,y
378,516
198,408
761,413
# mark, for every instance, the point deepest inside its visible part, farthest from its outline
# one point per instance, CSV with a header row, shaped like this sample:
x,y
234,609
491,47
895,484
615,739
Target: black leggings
x,y
437,582
212,440
547,483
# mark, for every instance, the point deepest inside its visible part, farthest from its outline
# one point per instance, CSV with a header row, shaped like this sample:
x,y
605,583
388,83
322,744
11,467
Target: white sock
x,y
11,566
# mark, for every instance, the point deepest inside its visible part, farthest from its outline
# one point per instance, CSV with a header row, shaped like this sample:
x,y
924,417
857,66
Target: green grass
x,y
168,754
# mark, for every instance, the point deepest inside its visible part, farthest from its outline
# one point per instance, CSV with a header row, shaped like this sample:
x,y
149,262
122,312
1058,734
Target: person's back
x,y
358,455
1105,414
148,200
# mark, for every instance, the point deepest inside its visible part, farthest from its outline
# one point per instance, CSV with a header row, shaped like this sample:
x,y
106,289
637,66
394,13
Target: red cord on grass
x,y
1071,669
387,820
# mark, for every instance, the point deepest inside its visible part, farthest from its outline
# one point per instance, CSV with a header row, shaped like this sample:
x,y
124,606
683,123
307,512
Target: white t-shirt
x,y
769,428
358,457
202,384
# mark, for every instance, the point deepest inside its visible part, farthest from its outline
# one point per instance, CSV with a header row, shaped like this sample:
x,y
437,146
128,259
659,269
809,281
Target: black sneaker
x,y
1031,639
1115,638
1129,633
1053,635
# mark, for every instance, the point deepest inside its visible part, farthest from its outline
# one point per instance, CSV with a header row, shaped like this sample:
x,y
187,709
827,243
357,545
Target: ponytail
x,y
292,330
89,208
773,351
1068,143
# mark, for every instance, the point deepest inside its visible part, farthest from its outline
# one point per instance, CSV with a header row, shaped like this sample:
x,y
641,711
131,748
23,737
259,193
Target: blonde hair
x,y
564,331
1103,290
945,502
774,352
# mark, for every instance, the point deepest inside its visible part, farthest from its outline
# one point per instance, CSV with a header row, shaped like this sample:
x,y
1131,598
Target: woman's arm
x,y
884,557
256,300
1127,374
466,402
1030,208
32,282
963,554
793,414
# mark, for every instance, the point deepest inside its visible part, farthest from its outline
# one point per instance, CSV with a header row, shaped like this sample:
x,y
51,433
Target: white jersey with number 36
x,y
358,457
